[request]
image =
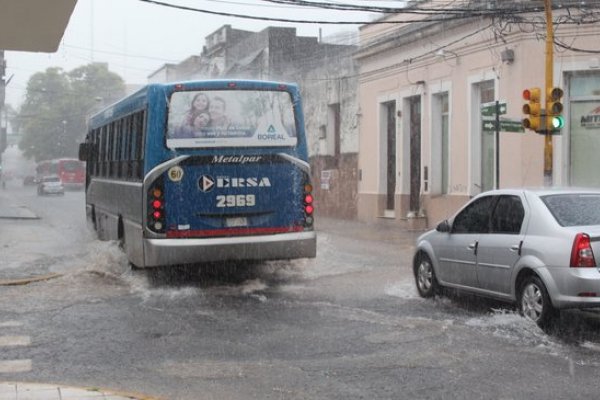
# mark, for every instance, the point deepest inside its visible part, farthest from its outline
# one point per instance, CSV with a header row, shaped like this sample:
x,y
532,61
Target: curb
x,y
39,389
26,281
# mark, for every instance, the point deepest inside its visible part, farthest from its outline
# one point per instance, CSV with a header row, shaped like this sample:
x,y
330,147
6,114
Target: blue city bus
x,y
202,171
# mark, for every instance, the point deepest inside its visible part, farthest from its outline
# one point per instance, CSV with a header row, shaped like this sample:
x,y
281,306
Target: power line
x,y
575,49
443,16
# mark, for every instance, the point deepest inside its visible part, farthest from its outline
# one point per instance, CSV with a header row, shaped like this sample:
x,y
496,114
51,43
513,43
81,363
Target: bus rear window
x,y
231,118
73,166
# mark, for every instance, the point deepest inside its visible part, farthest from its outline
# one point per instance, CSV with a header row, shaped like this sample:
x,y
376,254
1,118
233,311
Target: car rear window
x,y
575,209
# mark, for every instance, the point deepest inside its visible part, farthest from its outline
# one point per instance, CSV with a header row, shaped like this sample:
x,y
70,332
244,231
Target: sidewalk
x,y
381,230
36,391
14,234
9,210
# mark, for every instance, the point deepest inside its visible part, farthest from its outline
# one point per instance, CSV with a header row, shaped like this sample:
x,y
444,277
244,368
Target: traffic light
x,y
554,108
533,109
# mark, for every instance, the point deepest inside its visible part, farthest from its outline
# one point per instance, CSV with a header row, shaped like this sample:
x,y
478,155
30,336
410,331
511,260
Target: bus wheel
x,y
134,267
121,236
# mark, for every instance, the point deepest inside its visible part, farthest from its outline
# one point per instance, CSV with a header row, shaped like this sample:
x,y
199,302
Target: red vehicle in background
x,y
71,171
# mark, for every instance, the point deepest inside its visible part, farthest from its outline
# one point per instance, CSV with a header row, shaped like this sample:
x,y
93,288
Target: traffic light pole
x,y
549,84
497,144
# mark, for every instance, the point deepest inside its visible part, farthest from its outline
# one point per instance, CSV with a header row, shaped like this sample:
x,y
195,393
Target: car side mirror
x,y
443,226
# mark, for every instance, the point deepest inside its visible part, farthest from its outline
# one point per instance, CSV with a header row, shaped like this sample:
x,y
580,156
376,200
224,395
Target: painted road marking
x,y
10,324
12,366
9,341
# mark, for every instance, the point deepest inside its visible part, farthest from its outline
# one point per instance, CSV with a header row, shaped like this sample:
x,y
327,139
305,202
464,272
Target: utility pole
x,y
548,155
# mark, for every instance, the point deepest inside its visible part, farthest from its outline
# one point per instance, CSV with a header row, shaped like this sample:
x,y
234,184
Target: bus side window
x,y
113,146
137,151
117,151
134,146
126,150
104,152
96,150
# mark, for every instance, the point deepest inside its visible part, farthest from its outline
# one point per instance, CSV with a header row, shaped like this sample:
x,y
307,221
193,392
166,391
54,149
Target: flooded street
x,y
348,324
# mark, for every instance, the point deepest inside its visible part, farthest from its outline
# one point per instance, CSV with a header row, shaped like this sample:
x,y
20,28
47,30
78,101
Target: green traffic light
x,y
558,122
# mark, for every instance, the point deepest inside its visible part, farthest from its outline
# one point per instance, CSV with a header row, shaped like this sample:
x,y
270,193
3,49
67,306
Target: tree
x,y
52,120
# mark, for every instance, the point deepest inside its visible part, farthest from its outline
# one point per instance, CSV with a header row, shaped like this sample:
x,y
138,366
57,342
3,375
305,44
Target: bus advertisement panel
x,y
202,171
231,119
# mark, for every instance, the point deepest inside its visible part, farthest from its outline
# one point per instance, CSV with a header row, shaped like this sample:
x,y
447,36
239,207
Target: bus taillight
x,y
308,204
156,208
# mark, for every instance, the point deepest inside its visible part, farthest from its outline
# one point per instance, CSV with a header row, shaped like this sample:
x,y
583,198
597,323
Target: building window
x,y
583,127
441,143
488,155
334,140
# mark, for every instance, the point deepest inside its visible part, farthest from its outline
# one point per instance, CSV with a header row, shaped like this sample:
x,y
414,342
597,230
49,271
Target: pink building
x,y
425,86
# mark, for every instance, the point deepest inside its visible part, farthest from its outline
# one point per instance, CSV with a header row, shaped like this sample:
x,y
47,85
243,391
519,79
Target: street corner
x,y
44,391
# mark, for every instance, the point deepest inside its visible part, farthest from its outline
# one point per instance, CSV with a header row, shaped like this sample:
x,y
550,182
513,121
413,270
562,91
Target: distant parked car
x,y
29,180
534,248
50,185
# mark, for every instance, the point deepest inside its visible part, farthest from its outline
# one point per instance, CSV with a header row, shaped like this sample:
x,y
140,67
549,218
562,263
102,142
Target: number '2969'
x,y
239,200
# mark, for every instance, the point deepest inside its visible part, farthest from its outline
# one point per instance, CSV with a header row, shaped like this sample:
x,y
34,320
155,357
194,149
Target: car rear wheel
x,y
425,276
534,302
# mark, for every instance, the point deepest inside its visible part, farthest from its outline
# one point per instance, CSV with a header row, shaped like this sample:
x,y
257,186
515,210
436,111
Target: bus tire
x,y
121,235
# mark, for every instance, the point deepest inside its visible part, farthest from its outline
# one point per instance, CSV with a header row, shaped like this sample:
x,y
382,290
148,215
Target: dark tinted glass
x,y
508,215
476,217
72,166
575,209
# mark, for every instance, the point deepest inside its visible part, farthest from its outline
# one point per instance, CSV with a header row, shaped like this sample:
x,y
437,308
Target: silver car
x,y
534,248
50,185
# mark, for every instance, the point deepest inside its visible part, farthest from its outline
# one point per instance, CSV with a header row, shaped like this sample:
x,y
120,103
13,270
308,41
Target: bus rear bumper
x,y
162,252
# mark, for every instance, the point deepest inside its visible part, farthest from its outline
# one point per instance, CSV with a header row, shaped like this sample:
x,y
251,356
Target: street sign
x,y
506,125
489,109
488,125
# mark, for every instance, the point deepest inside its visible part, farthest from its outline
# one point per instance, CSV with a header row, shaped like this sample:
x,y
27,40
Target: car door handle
x,y
473,246
517,247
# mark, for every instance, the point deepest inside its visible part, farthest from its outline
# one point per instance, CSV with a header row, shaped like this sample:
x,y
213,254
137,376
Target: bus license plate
x,y
236,222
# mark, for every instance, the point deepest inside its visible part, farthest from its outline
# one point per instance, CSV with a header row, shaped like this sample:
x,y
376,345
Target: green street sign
x,y
489,109
488,125
506,125
511,126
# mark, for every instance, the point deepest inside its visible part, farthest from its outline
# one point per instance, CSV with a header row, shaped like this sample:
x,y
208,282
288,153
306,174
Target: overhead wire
x,y
504,18
442,14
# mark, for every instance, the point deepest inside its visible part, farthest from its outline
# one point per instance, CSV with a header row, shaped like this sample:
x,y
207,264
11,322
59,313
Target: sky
x,y
136,37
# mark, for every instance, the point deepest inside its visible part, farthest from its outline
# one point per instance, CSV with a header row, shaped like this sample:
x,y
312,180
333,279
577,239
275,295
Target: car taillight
x,y
581,253
156,208
309,208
